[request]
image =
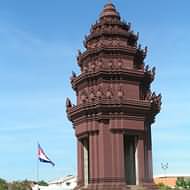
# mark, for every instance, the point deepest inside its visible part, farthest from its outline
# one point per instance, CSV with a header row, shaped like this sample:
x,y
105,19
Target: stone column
x,y
148,155
149,152
93,156
140,164
80,163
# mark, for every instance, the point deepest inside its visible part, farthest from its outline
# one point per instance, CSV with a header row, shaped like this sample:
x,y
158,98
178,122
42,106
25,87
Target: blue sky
x,y
38,46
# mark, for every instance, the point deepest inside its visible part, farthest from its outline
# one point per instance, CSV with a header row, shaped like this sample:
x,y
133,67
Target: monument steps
x,y
143,187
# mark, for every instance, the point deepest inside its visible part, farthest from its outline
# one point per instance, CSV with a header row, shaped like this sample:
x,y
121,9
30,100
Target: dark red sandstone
x,y
115,108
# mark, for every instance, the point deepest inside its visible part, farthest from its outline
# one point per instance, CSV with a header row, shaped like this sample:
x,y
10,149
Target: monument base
x,y
117,186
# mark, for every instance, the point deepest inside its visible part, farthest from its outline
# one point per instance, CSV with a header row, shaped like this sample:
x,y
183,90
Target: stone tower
x,y
115,108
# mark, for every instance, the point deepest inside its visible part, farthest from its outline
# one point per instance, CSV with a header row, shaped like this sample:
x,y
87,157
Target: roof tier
x,y
110,33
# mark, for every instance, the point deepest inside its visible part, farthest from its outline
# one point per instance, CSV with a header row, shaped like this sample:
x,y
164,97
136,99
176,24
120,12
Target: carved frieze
x,y
106,63
99,93
102,91
109,93
107,43
120,92
92,96
83,97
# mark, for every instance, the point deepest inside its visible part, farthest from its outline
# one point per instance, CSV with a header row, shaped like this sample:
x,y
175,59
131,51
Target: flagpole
x,y
37,168
41,157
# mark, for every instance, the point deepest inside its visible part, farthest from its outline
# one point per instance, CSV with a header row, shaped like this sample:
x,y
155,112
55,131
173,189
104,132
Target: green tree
x,y
3,184
188,184
42,183
21,185
181,183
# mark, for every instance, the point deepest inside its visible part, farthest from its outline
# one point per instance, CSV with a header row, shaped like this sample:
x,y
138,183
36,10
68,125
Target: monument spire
x,y
109,10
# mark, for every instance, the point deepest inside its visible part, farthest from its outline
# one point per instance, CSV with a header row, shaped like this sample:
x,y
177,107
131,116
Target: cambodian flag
x,y
43,157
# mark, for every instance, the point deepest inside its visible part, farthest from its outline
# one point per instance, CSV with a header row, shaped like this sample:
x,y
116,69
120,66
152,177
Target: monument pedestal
x,y
113,186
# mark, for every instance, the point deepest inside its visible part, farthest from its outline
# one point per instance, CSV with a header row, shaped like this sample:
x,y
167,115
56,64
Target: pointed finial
x,y
68,103
109,10
73,74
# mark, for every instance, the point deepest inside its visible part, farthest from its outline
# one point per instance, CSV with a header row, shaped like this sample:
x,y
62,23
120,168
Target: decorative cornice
x,y
124,74
114,32
95,52
109,106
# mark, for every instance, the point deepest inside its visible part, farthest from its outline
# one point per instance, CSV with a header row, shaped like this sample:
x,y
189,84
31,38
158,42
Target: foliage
x,y
42,183
21,185
182,183
18,185
3,184
163,187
